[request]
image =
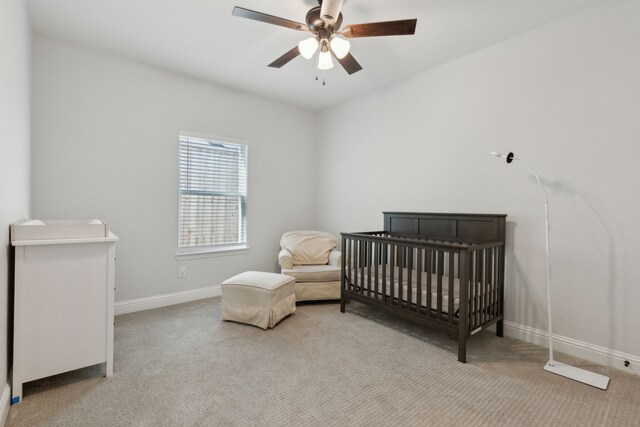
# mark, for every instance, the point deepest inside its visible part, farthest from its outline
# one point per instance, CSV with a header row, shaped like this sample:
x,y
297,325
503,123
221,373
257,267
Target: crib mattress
x,y
414,286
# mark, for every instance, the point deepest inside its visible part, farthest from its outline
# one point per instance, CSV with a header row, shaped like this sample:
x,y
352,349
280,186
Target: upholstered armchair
x,y
312,258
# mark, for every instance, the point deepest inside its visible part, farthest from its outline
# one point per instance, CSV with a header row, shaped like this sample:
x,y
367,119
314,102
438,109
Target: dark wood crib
x,y
444,270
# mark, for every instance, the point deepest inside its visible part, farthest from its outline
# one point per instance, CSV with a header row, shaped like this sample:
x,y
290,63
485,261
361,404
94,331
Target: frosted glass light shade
x,y
308,47
340,47
324,61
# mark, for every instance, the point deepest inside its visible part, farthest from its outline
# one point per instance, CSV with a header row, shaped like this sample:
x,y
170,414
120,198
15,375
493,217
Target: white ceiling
x,y
201,38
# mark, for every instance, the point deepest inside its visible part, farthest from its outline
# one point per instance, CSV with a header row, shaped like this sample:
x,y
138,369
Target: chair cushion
x,y
309,247
314,273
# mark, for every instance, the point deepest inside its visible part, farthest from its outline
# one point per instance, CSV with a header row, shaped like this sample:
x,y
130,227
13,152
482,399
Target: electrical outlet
x,y
182,272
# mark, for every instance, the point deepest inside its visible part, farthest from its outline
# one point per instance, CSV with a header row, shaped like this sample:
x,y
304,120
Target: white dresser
x,y
64,296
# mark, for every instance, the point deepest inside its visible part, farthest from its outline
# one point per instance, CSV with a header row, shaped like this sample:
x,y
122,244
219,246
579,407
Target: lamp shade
x,y
308,47
324,61
340,47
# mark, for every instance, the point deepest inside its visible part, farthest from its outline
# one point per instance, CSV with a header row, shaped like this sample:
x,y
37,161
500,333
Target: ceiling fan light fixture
x,y
324,22
340,47
308,47
324,61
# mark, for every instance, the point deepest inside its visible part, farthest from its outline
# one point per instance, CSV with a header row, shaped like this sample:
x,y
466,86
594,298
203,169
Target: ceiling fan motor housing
x,y
314,20
330,12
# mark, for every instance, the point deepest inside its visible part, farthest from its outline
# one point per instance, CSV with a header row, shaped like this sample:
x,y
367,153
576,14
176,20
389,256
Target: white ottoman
x,y
258,298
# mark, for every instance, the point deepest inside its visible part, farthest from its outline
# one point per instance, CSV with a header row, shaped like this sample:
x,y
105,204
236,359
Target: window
x,y
213,195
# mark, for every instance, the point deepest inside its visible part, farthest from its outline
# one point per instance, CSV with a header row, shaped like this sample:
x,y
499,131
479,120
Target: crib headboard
x,y
455,226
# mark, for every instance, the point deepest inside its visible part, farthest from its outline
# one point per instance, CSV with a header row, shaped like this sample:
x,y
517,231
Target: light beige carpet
x,y
182,366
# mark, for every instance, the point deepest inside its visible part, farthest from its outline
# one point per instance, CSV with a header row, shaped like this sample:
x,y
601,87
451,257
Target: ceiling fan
x,y
324,23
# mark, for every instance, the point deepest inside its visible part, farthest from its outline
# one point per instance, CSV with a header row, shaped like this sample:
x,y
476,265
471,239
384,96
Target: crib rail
x,y
452,285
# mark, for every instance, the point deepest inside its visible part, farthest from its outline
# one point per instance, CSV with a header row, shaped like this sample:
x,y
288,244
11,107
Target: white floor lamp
x,y
586,377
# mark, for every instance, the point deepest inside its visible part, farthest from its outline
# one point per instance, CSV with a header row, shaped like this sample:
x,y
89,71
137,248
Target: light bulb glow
x,y
340,47
308,47
324,61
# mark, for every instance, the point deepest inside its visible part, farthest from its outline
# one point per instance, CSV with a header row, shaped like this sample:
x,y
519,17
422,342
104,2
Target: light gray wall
x,y
105,144
14,143
566,97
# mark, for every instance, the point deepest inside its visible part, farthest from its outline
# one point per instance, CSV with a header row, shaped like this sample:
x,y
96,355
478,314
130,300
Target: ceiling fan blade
x,y
269,19
349,63
284,59
375,29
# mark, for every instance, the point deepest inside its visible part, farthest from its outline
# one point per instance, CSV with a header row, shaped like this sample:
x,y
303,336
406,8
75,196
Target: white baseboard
x,y
591,352
5,403
158,301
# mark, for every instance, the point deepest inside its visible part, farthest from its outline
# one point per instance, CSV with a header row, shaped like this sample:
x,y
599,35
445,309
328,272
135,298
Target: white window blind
x,y
213,193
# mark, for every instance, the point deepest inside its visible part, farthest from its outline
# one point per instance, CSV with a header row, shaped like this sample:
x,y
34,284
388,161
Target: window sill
x,y
195,253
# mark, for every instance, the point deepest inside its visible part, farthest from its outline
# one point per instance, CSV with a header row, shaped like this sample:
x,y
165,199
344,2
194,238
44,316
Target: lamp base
x,y
577,374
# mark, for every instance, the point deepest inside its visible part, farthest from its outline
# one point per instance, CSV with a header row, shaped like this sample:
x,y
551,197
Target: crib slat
x,y
384,273
354,260
433,258
479,285
363,265
478,280
428,259
488,274
354,282
497,282
494,288
362,254
376,258
485,268
501,282
499,256
474,260
392,273
419,256
410,278
359,269
483,311
400,274
440,269
350,263
477,288
369,269
492,282
361,272
496,269
485,288
451,296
